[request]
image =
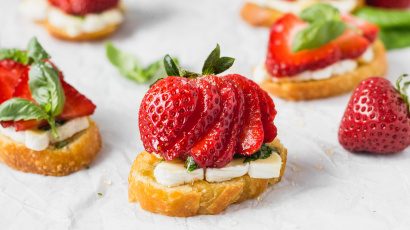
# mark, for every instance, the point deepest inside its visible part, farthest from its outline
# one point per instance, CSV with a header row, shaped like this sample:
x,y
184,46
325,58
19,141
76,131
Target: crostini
x,y
209,141
45,126
76,20
265,12
312,57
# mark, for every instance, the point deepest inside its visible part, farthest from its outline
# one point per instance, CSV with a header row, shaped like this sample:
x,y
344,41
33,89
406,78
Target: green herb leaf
x,y
18,109
320,12
317,35
190,164
35,51
171,67
15,55
46,89
402,85
264,152
215,64
395,38
61,144
385,18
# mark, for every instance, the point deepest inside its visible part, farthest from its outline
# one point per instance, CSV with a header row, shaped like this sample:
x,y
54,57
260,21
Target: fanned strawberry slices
x,y
318,38
207,117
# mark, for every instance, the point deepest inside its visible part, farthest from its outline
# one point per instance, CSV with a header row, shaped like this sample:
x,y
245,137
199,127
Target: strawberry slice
x,y
369,30
207,111
10,73
83,7
164,114
212,145
282,62
252,136
76,104
349,49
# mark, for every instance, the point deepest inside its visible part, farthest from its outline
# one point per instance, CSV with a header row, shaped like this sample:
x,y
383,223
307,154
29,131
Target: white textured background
x,y
324,187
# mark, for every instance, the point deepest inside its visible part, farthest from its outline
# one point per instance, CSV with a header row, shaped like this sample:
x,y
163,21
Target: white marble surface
x,y
325,187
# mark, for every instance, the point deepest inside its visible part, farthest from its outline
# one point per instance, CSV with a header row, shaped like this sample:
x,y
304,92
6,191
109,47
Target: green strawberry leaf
x,y
18,109
15,55
215,64
190,164
35,51
171,67
320,12
317,34
264,152
402,86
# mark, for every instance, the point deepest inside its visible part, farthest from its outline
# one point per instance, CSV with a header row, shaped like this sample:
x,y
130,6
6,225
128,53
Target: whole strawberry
x,y
399,4
83,7
377,118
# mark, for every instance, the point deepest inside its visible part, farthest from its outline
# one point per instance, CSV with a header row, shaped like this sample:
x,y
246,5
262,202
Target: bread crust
x,y
61,34
78,154
262,16
336,85
198,198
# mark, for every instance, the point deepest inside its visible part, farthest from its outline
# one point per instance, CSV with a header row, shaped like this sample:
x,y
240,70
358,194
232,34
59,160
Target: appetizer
x,y
377,118
75,20
266,12
209,142
312,57
45,126
394,25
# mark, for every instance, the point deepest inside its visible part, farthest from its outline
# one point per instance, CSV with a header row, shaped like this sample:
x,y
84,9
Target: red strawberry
x,y
76,104
349,49
400,4
377,119
369,30
83,7
10,73
282,61
164,112
252,135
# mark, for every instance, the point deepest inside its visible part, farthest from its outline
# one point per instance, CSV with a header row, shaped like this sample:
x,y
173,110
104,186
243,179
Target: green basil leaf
x,y
171,67
46,89
18,109
190,164
211,61
320,12
35,51
264,152
385,18
317,35
15,55
395,38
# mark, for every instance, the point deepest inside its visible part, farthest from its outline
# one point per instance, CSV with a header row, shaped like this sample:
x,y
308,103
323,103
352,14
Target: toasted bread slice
x,y
200,197
258,15
62,34
77,154
336,85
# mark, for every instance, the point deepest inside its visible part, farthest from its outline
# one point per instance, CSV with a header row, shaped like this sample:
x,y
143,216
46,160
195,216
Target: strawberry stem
x,y
402,85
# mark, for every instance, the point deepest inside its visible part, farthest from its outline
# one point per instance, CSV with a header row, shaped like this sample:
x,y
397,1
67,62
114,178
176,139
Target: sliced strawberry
x,y
282,62
76,104
369,30
164,113
10,73
211,146
252,136
83,7
349,49
207,111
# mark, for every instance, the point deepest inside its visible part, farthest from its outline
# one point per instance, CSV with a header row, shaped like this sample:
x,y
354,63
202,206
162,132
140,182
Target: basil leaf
x,y
320,12
46,89
190,164
395,38
385,18
317,35
171,67
264,152
15,55
17,109
35,51
215,64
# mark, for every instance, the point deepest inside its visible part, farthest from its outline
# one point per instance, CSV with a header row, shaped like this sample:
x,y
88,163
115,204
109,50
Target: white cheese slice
x,y
266,168
173,173
234,169
70,128
37,140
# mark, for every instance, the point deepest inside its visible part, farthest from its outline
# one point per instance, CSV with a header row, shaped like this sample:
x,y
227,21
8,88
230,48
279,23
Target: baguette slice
x,y
200,197
262,16
79,153
336,85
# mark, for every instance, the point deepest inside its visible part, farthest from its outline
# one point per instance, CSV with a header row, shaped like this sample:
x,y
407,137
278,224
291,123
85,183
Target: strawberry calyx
x,y
402,86
214,64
